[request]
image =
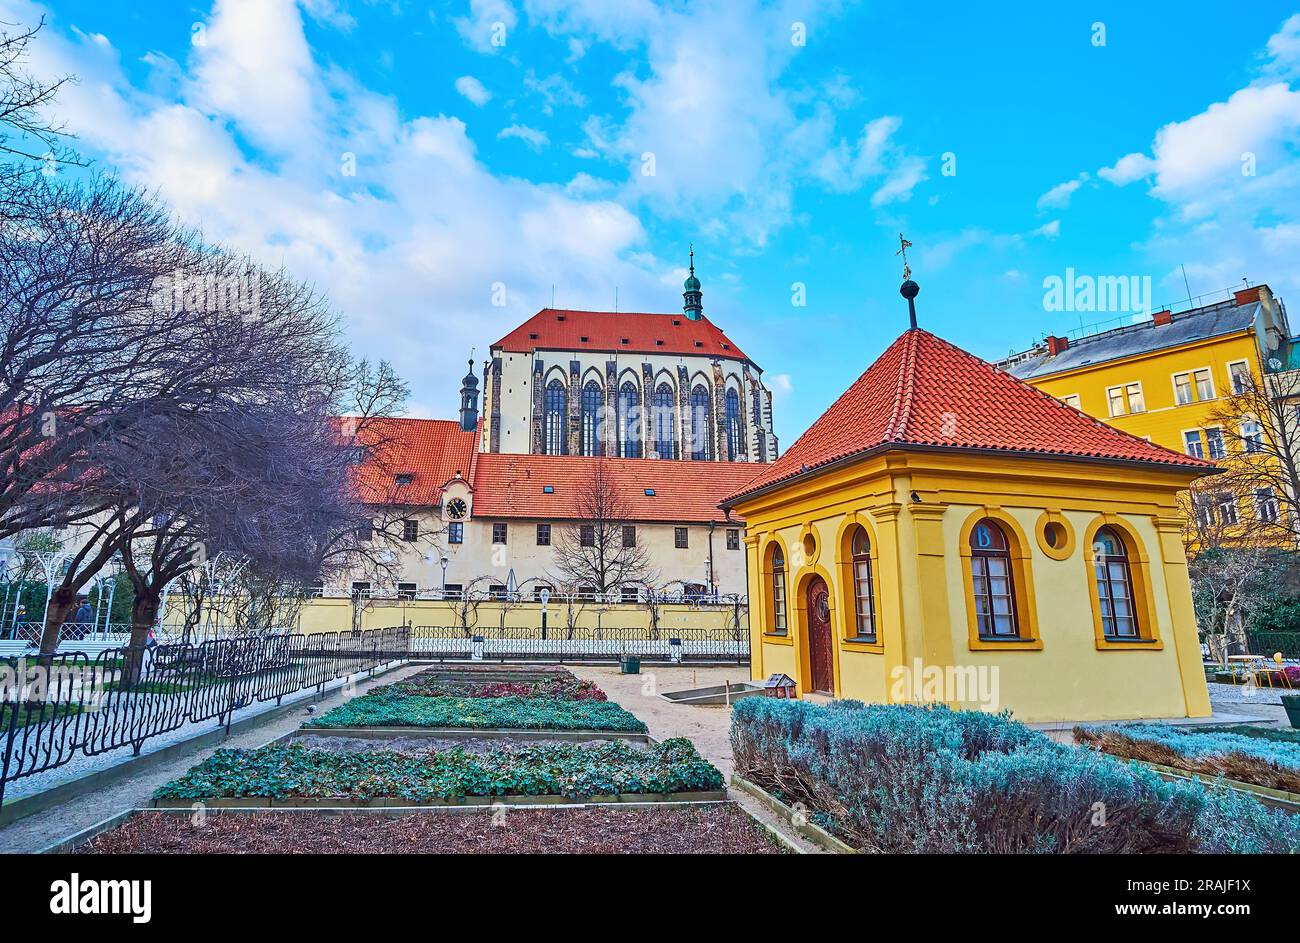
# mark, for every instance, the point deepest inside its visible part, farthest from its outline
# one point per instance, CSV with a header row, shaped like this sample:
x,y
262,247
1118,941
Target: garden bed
x,y
293,774
902,778
1270,762
421,740
713,828
553,685
389,707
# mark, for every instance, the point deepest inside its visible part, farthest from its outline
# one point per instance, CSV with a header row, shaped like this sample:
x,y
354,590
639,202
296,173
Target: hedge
x,y
388,707
556,689
905,778
1273,763
561,769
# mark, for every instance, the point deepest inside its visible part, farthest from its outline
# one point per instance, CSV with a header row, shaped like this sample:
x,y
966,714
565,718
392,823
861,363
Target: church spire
x,y
909,289
469,399
693,298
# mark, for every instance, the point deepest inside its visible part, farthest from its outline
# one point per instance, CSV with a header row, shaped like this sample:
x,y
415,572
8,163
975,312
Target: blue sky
x,y
408,158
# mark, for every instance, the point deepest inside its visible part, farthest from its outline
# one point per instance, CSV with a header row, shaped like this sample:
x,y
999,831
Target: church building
x,y
944,531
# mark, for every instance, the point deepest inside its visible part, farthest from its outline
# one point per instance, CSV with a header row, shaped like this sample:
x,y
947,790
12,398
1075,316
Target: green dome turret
x,y
693,298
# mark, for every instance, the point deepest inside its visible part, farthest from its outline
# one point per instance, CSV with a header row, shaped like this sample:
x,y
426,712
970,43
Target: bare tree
x,y
24,98
592,549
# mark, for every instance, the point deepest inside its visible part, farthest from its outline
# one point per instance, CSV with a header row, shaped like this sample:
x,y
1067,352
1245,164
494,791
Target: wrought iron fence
x,y
446,643
57,707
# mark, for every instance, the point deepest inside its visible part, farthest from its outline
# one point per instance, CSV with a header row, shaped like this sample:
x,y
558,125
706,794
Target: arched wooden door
x,y
821,656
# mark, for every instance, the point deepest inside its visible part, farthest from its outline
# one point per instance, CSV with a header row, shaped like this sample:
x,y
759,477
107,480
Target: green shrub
x,y
386,707
569,770
928,779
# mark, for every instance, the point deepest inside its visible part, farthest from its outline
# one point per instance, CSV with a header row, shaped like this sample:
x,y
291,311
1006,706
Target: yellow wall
x,y
921,595
1163,421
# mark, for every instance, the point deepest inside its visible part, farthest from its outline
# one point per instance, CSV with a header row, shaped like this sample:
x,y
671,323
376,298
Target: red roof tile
x,y
432,451
553,329
684,492
924,392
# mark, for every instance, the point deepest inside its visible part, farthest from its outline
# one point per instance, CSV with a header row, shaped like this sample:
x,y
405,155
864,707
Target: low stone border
x,y
311,802
70,843
1278,798
465,733
809,830
23,806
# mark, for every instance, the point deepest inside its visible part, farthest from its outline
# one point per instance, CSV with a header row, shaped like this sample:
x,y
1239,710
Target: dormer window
x,y
404,478
726,347
583,338
649,492
533,335
677,322
699,343
624,341
559,317
659,343
548,489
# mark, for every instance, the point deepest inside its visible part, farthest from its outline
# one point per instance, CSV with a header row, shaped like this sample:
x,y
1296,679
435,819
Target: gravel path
x,y
45,828
714,829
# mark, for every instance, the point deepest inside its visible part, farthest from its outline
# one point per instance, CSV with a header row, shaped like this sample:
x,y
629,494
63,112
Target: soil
x,y
710,829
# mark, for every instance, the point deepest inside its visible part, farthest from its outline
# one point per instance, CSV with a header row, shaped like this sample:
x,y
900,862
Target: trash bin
x,y
629,664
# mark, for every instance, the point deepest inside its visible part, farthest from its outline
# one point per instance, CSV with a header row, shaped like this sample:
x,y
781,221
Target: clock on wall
x,y
457,508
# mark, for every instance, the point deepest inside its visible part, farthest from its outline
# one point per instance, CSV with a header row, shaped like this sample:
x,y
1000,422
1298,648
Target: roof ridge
x,y
905,388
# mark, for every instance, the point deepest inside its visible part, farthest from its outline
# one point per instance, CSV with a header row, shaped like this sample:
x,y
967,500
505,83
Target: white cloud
x,y
874,156
781,386
1283,48
489,26
474,90
1059,196
530,136
1127,169
1049,230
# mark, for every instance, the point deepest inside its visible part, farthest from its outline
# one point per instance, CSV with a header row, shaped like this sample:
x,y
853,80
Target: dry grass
x,y
1232,765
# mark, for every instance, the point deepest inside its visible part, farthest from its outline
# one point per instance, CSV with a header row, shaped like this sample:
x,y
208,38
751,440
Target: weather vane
x,y
904,245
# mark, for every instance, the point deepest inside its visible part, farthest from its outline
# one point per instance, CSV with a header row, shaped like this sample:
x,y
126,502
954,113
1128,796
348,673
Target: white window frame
x,y
1209,375
1110,401
1232,385
1222,440
1072,399
1200,443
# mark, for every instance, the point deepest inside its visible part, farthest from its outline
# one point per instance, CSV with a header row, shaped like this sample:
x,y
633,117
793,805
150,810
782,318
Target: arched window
x,y
864,597
665,440
733,425
700,425
629,420
556,426
1114,585
778,591
591,425
995,597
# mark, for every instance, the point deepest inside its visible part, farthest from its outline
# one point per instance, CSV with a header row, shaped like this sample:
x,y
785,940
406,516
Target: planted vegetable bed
x,y
390,707
719,828
575,772
559,688
1255,758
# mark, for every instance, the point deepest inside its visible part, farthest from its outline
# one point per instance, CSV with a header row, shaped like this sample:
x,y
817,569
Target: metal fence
x,y
446,643
71,704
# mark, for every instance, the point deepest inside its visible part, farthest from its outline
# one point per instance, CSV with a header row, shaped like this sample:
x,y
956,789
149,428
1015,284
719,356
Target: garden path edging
x,y
480,802
809,830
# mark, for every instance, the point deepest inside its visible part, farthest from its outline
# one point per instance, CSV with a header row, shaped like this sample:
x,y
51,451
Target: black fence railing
x,y
450,643
58,707
1267,643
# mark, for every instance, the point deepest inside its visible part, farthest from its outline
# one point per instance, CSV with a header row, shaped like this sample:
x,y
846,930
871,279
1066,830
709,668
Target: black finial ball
x,y
909,289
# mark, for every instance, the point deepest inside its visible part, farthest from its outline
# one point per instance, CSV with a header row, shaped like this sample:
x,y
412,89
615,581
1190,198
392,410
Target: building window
x,y
629,420
406,591
1114,585
1204,507
315,589
586,592
366,532
587,535
680,540
734,430
733,538
629,535
455,533
629,594
1204,384
360,589
543,535
592,398
556,408
1182,388
496,591
1266,505
778,591
453,591
498,533
1239,373
1071,399
700,425
539,589
1192,443
864,597
410,529
995,598
1214,447
665,438
1126,399
1226,503
1252,436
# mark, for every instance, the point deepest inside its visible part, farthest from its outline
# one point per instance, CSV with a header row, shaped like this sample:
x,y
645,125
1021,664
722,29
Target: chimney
x,y
1056,344
1162,317
1246,296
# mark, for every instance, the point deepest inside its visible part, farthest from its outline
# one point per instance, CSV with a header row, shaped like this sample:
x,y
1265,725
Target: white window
x,y
1265,505
1227,505
1214,442
1182,388
1115,400
1204,510
1071,399
1136,401
1192,443
1204,384
1252,436
1239,373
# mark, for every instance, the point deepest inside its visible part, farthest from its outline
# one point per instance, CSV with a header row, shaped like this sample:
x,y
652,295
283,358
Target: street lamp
x,y
545,596
445,560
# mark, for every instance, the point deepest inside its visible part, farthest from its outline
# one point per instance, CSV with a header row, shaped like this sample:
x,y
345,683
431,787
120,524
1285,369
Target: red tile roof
x,y
553,329
430,450
510,486
924,392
